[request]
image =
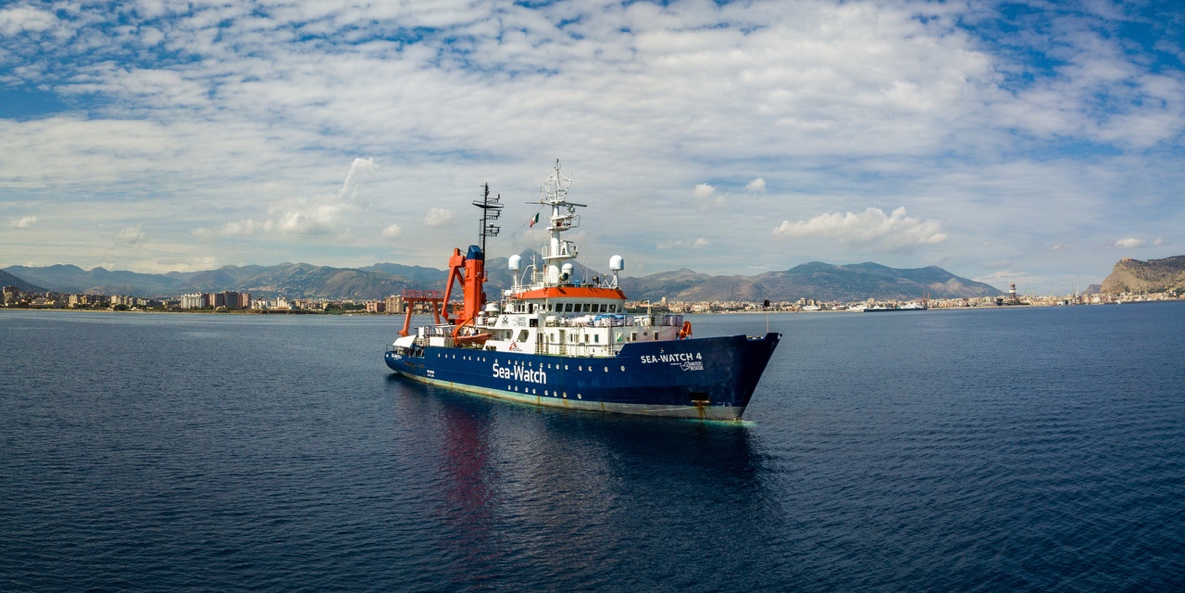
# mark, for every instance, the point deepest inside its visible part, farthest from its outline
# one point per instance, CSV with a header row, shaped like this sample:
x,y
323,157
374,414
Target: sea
x,y
1009,449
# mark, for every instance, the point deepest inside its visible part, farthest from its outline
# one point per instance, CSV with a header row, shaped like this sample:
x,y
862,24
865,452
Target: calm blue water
x,y
1000,450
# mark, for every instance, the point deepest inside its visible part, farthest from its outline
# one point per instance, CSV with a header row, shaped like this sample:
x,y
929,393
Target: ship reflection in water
x,y
571,491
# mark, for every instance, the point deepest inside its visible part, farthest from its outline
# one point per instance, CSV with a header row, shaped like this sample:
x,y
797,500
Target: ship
x,y
910,306
561,339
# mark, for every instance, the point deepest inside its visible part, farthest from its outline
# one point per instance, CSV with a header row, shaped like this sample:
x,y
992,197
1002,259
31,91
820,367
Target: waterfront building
x,y
194,301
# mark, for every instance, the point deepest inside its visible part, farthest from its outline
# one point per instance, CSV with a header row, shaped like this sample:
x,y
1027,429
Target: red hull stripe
x,y
585,292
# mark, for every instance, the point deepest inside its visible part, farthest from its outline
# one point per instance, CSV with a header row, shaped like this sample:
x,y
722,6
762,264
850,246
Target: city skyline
x,y
1007,142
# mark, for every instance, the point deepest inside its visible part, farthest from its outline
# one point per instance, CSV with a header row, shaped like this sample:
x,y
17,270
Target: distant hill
x,y
1154,275
815,280
869,280
75,280
7,279
299,280
411,273
291,280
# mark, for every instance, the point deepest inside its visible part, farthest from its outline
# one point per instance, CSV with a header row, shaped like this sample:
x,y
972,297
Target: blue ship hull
x,y
706,378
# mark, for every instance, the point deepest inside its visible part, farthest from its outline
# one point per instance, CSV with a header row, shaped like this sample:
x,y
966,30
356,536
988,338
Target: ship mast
x,y
491,210
554,193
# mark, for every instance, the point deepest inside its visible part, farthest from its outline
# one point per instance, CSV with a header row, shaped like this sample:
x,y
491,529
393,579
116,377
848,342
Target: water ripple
x,y
1022,450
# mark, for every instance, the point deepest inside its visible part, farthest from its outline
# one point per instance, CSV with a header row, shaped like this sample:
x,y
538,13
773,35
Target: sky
x,y
1029,142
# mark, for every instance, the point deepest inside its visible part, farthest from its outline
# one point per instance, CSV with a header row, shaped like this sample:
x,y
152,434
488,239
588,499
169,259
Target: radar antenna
x,y
491,210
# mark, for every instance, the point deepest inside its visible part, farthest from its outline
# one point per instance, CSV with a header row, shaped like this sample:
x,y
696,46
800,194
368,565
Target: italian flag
x,y
534,220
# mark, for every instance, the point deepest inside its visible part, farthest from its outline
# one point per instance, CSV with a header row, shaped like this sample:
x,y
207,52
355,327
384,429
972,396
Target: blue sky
x,y
1027,142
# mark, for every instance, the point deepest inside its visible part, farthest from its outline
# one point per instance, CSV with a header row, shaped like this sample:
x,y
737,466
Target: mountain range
x,y
814,280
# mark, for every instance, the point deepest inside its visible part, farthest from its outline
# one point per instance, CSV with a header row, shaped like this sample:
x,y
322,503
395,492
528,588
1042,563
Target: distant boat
x,y
887,307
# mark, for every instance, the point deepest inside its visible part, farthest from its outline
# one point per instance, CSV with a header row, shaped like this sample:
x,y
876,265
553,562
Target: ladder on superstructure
x,y
491,210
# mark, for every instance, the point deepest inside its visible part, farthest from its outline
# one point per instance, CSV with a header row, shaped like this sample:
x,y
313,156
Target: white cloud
x,y
756,186
23,222
25,18
872,226
392,231
437,217
131,235
308,217
359,168
697,243
707,197
1129,243
328,215
243,228
703,191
